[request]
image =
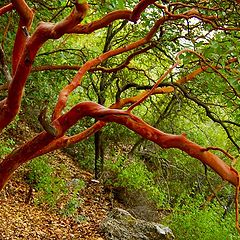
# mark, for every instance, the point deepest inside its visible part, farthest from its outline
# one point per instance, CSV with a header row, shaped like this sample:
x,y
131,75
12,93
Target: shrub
x,y
75,201
190,221
6,147
134,175
52,190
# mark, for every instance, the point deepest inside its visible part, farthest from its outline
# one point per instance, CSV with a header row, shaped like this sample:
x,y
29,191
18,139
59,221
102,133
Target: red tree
x,y
53,137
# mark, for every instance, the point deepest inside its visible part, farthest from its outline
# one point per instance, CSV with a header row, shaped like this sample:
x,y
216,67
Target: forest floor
x,y
22,219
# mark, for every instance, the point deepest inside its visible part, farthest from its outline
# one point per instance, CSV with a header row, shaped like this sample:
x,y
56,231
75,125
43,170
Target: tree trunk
x,y
99,154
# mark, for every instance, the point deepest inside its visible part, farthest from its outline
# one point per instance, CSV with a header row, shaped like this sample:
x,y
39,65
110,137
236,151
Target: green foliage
x,y
117,4
174,172
191,221
74,202
134,175
50,187
52,190
82,152
6,147
14,124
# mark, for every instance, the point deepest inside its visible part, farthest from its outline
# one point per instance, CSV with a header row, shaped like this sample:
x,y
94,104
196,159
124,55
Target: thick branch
x,y
10,106
63,96
24,11
26,17
133,16
6,8
164,140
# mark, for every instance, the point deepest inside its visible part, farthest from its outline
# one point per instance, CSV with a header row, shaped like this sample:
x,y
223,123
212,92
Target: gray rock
x,y
121,225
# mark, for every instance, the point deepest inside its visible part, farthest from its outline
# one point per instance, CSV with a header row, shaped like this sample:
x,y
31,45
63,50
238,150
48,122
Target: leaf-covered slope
x,y
22,220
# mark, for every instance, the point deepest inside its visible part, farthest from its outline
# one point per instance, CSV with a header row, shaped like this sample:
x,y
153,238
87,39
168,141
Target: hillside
x,y
21,218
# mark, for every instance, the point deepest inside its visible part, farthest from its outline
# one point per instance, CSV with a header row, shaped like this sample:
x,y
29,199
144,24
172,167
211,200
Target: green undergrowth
x,y
134,175
187,214
53,189
6,147
193,221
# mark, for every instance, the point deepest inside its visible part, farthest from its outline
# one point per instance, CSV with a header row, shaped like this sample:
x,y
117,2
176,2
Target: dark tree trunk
x,y
99,154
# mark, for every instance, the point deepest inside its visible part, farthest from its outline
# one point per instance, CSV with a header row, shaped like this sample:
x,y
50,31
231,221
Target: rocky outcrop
x,y
121,225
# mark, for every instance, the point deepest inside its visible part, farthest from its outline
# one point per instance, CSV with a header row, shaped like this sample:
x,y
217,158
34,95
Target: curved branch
x,y
93,69
129,15
10,106
122,65
101,23
63,96
76,81
164,140
24,11
149,93
26,18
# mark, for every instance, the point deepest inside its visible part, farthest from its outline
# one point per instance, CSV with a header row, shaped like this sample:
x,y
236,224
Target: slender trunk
x,y
99,149
99,154
98,142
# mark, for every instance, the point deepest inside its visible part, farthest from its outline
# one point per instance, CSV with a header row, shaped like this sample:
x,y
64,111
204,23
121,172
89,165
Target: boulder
x,y
121,225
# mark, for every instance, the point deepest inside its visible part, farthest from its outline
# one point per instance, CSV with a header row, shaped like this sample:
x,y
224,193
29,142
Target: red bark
x,y
26,54
21,155
6,8
66,141
164,140
76,81
133,16
26,17
25,50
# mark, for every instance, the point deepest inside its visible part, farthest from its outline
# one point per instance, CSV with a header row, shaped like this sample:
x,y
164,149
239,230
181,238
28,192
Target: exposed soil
x,y
22,219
